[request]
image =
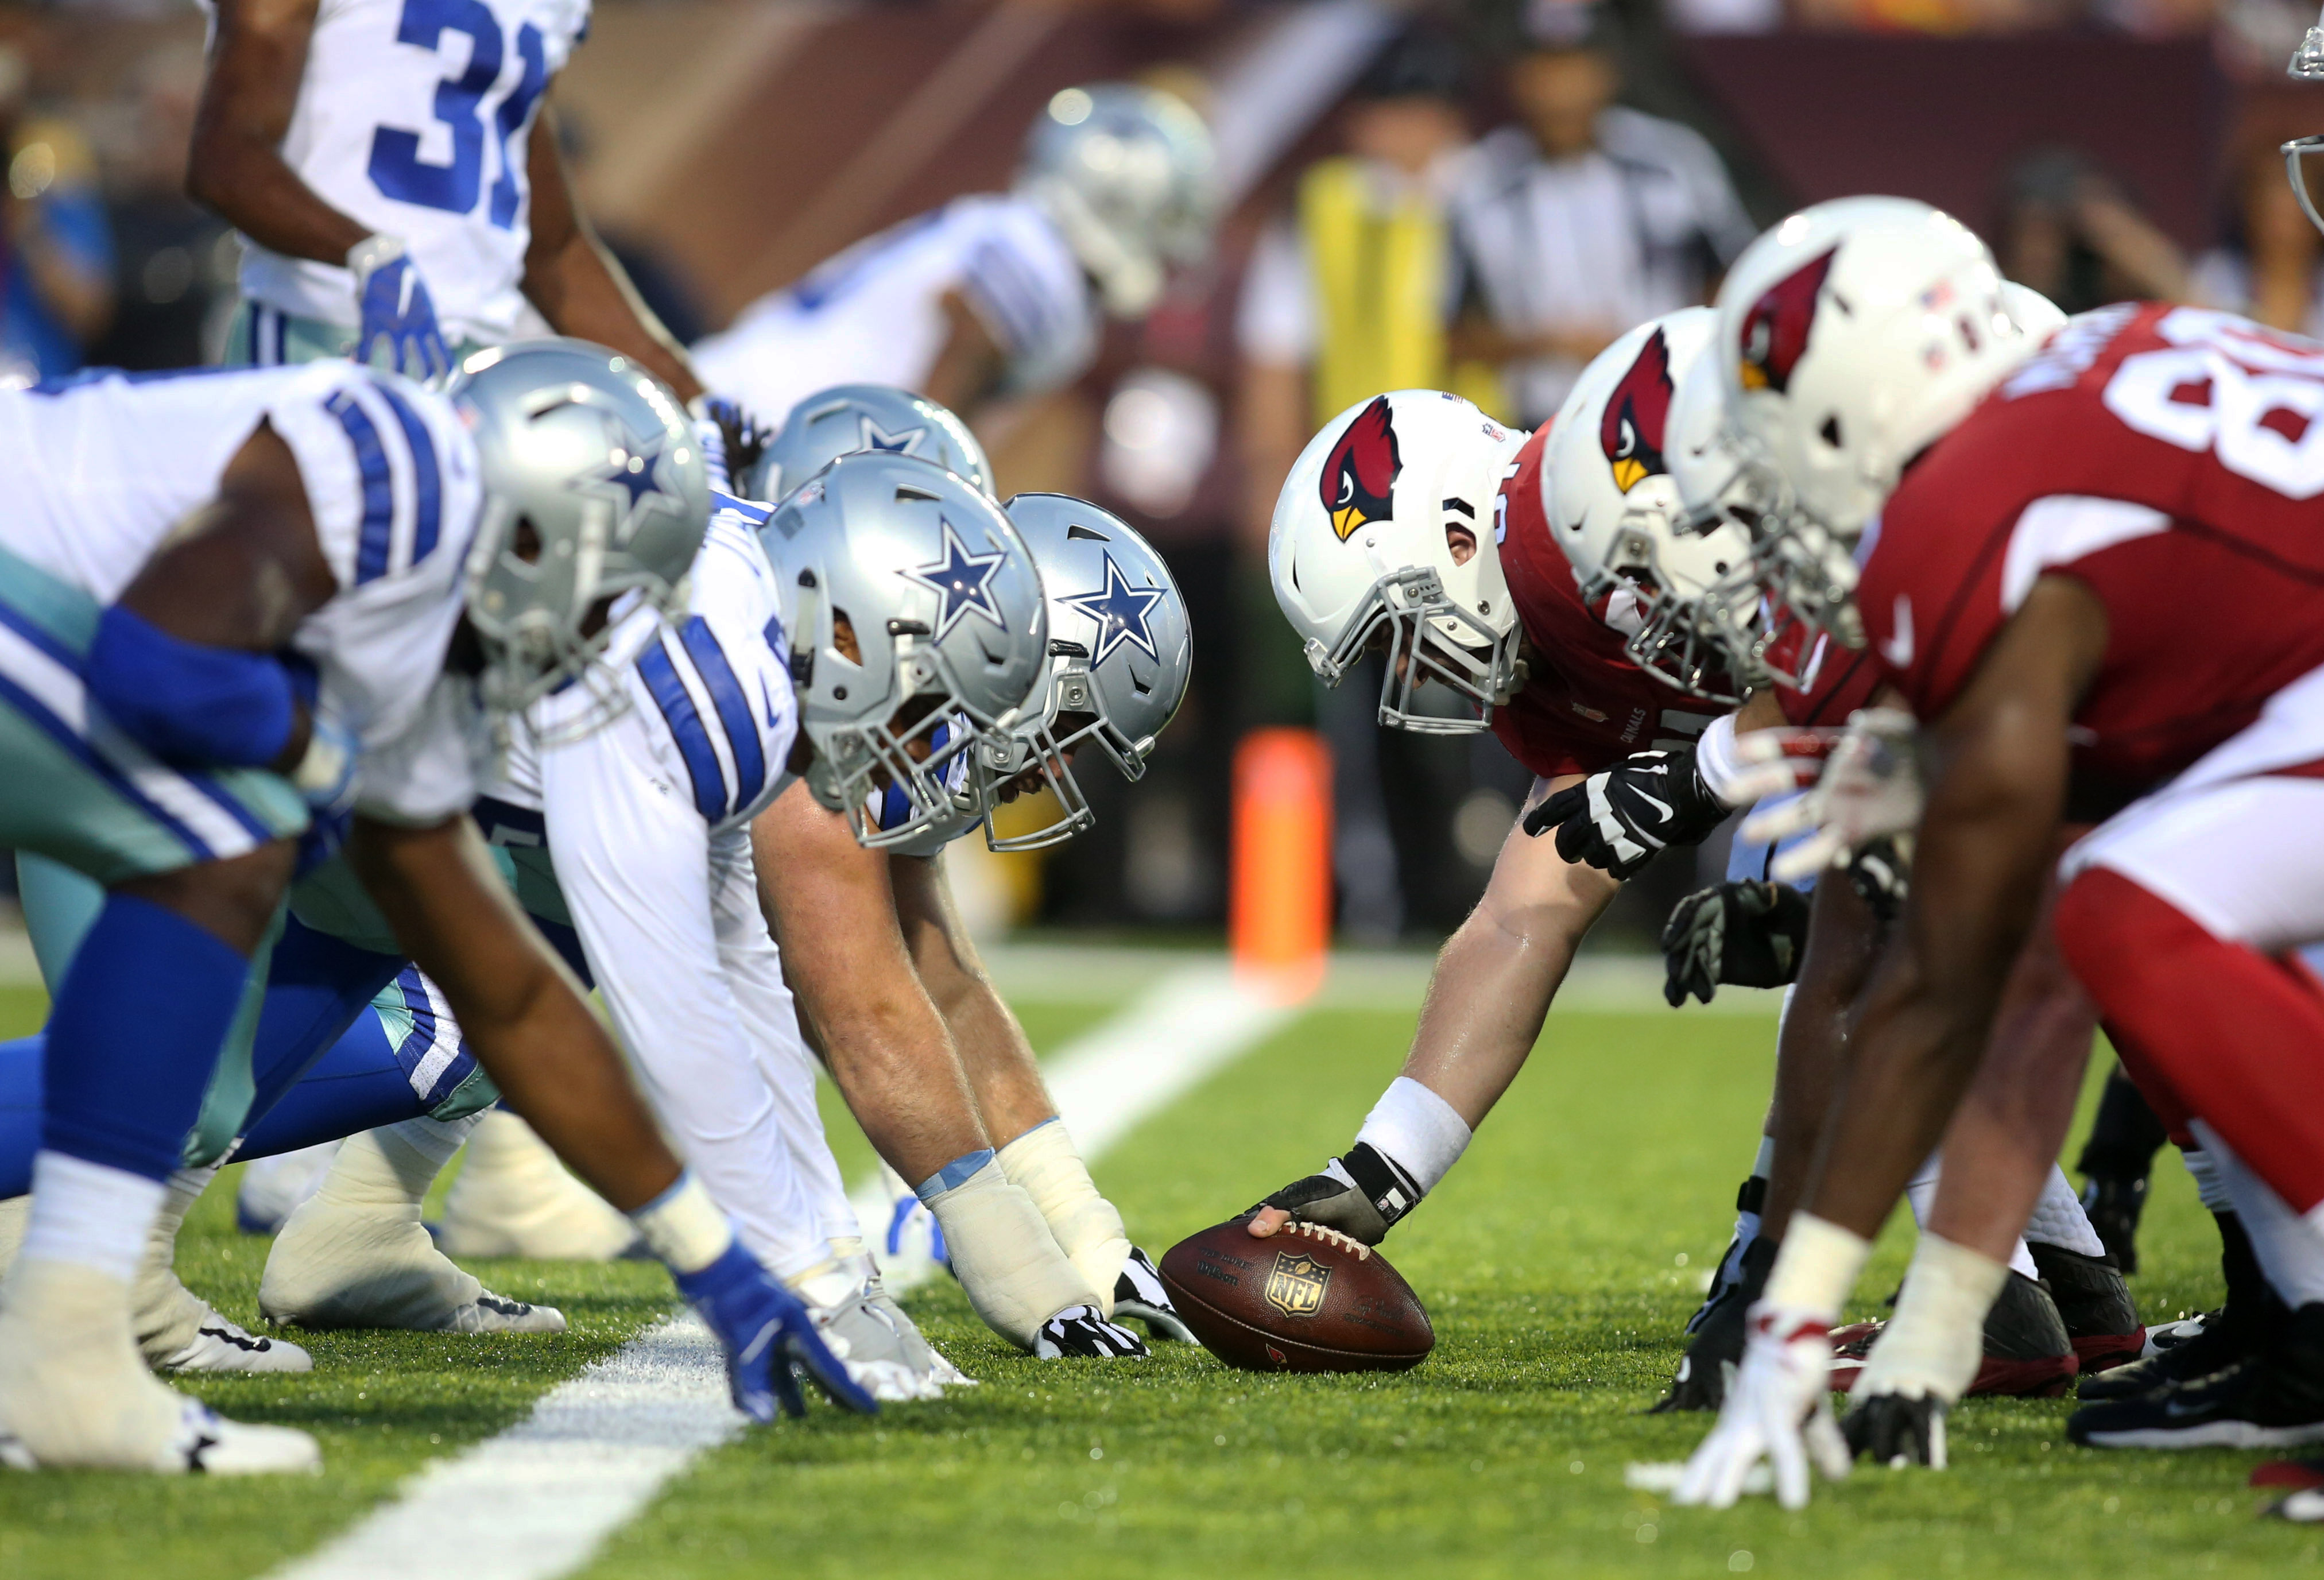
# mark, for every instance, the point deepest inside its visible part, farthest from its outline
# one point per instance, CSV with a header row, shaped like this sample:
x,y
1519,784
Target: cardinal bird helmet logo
x,y
1361,471
1631,431
1776,329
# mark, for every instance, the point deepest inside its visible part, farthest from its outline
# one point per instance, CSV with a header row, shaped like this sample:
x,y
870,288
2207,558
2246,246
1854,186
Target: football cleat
x,y
2273,1399
1716,1349
923,1356
2094,1304
343,1262
178,1331
1080,1333
2028,1354
1139,1294
1895,1430
220,1345
2221,1339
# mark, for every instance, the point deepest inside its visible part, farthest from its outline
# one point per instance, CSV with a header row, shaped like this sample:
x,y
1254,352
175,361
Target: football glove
x,y
1138,1293
397,314
1621,817
1716,1349
1896,1429
1870,786
1778,1408
1361,1194
769,1339
1750,934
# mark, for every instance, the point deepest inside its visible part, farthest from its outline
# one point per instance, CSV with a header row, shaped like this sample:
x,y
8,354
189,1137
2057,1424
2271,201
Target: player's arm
x,y
579,287
968,369
1997,764
520,1008
234,166
1486,1002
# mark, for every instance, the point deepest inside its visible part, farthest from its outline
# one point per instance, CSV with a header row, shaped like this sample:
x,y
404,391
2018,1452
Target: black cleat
x,y
1893,1430
2114,1205
2273,1399
1751,1198
1717,1347
2228,1337
2094,1305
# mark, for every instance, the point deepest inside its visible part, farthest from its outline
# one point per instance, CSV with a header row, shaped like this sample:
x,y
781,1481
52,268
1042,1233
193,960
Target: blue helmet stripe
x,y
726,695
677,710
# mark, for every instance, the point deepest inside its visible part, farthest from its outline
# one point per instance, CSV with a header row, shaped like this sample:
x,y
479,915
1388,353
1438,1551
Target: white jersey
x,y
644,827
98,471
413,118
875,313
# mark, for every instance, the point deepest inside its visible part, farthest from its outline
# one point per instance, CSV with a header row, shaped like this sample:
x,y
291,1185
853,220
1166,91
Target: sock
x,y
418,1149
2059,1219
134,1037
2288,1245
2125,1135
684,1227
1920,1192
2209,1188
2238,1036
90,1215
21,1101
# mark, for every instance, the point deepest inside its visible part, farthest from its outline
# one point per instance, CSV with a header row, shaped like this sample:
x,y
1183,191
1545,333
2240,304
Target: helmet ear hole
x,y
1830,431
525,543
843,637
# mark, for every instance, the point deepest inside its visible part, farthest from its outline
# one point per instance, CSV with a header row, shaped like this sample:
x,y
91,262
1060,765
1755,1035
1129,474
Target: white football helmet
x,y
2303,157
1851,336
1360,551
1130,177
1685,599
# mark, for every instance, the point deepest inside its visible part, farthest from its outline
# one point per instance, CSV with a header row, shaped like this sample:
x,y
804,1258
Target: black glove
x,y
1622,818
1139,1294
1882,873
1750,934
1890,1429
1360,1195
1717,1348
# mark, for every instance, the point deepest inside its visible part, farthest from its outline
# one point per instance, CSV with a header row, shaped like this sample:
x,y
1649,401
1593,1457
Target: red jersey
x,y
2172,459
1834,680
1584,706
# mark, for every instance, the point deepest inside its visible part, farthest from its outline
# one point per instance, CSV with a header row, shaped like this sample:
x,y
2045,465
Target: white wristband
x,y
1714,759
1423,1134
1817,1267
684,1227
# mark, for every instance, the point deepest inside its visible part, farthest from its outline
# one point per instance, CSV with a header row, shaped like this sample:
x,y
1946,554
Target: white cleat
x,y
221,1345
513,1199
347,1259
869,1334
74,1393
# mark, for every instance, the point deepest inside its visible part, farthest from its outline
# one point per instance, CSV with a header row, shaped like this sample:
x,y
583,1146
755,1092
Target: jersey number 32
x,y
396,168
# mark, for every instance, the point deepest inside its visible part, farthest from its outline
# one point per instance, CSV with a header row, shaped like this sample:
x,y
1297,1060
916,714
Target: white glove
x,y
1869,786
1778,1408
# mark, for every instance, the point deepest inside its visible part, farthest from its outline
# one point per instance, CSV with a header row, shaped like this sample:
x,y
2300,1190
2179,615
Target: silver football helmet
x,y
1130,177
910,604
1120,656
594,488
847,418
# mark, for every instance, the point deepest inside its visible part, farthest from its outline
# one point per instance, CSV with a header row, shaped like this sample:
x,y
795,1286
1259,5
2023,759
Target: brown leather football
x,y
1307,1300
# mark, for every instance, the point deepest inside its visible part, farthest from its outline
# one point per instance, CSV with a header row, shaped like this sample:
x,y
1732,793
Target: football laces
x,y
1330,1236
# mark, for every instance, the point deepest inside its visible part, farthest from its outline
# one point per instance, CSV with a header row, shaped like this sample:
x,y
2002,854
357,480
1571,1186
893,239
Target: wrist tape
x,y
1008,1262
1421,1132
1045,1165
1817,1267
1934,1345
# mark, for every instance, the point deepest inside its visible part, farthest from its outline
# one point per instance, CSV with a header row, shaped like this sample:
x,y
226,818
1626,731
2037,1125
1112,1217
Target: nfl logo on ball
x,y
1295,1285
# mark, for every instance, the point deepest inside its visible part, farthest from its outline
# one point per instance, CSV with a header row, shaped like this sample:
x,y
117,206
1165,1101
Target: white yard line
x,y
537,1501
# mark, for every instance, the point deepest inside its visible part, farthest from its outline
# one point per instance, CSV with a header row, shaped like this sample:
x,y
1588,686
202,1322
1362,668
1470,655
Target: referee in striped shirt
x,y
1585,220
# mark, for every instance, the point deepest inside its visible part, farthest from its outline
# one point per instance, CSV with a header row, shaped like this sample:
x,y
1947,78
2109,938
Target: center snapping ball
x,y
1307,1300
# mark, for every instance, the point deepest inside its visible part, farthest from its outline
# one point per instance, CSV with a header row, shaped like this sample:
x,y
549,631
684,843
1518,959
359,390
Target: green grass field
x,y
1558,1263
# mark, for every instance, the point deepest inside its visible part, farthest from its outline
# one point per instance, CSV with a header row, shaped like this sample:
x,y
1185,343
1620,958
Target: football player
x,y
206,659
396,174
993,295
2033,530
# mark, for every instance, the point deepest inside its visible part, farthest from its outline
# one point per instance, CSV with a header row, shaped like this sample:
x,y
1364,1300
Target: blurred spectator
x,y
177,260
1587,219
2267,269
56,252
2072,232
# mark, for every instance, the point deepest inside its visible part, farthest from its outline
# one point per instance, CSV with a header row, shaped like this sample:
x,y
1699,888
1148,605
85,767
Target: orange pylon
x,y
1279,913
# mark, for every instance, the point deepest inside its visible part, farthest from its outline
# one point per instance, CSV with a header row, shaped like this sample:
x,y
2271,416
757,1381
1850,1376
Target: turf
x,y
1558,1261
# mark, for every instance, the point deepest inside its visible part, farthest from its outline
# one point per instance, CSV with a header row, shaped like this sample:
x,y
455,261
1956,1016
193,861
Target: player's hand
x,y
1361,1194
1778,1408
1897,1429
1750,934
1080,1333
397,314
1139,1294
1870,786
769,1339
1620,819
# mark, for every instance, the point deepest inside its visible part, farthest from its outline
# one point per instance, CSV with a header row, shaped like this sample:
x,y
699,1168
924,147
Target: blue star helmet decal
x,y
963,580
633,473
904,441
1119,610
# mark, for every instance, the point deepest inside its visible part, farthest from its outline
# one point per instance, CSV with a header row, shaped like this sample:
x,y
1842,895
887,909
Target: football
x,y
1307,1300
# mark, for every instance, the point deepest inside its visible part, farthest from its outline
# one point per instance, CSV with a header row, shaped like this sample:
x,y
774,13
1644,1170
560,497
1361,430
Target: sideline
x,y
537,1501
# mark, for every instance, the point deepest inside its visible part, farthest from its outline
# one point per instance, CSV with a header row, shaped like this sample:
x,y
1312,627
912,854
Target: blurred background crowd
x,y
1468,194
